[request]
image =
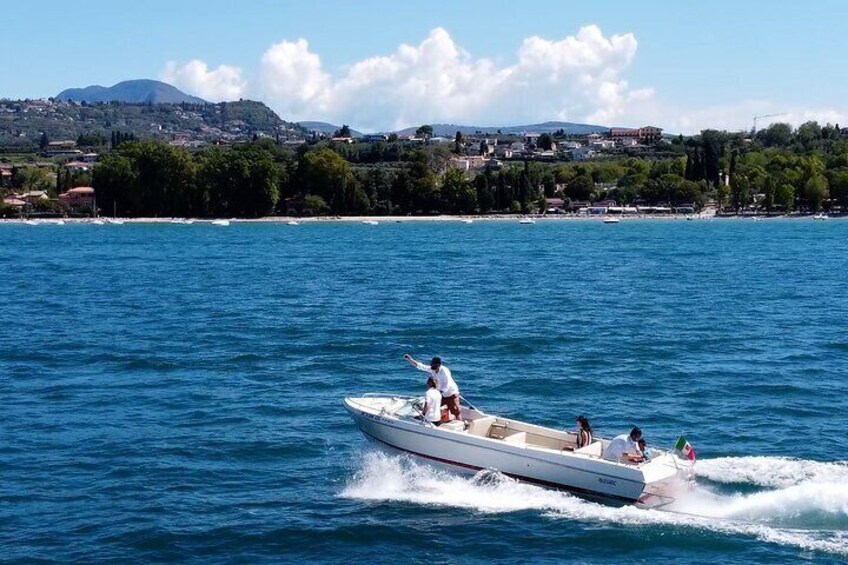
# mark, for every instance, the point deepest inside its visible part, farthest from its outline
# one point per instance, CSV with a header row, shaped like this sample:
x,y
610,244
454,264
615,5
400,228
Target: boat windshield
x,y
410,408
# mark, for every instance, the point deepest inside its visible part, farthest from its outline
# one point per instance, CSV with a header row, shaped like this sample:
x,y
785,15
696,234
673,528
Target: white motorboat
x,y
220,222
292,223
526,452
820,216
467,221
526,221
611,220
370,222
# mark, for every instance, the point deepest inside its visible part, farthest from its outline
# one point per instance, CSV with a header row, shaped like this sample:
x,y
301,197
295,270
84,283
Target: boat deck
x,y
521,433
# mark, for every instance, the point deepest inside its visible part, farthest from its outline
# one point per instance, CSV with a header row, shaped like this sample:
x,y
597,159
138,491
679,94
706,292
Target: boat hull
x,y
584,475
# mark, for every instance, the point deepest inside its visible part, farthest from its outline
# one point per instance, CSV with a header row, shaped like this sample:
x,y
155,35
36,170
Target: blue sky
x,y
680,65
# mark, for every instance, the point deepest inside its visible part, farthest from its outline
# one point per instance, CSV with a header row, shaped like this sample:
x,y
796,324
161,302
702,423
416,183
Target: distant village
x,y
481,151
71,164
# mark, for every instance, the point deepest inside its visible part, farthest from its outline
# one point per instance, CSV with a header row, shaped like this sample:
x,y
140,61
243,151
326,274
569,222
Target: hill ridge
x,y
137,91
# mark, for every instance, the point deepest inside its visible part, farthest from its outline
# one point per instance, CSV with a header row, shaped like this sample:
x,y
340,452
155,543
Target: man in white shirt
x,y
625,448
433,403
444,382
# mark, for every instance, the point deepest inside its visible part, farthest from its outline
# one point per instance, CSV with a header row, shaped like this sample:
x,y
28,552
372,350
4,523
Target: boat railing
x,y
387,394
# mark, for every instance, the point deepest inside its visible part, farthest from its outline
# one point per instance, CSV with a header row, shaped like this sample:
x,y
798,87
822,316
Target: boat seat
x,y
519,438
480,426
497,430
456,425
595,448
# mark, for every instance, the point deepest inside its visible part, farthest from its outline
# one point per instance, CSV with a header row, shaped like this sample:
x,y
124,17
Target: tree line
x,y
806,169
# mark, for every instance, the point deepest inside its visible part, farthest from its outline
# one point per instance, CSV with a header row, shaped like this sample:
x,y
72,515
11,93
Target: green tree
x,y
808,135
242,182
542,204
314,205
712,143
580,188
785,197
326,174
425,195
815,192
343,131
545,142
425,131
740,191
776,135
147,178
34,178
839,186
458,195
485,196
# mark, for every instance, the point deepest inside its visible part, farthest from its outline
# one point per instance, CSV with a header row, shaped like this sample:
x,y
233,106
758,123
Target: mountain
x,y
22,122
142,91
570,128
325,128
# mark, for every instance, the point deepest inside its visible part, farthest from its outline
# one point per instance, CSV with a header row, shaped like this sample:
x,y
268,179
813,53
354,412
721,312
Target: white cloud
x,y
580,78
576,78
223,83
291,77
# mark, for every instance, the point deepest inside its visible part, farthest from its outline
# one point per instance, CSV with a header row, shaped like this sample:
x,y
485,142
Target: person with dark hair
x,y
643,447
584,432
432,411
444,381
624,448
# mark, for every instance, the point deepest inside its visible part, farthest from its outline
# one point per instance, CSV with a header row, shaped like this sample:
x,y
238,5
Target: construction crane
x,y
765,116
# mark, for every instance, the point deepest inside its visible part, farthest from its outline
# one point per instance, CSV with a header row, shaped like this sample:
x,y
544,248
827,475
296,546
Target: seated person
x,y
624,448
643,447
584,433
432,411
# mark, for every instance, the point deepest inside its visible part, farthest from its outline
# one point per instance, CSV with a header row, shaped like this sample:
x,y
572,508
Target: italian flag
x,y
682,446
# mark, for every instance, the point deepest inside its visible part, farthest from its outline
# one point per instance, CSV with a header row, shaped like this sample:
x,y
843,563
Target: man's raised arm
x,y
417,364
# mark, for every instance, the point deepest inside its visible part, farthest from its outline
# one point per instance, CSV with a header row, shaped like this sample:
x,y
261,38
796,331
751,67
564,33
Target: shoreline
x,y
405,219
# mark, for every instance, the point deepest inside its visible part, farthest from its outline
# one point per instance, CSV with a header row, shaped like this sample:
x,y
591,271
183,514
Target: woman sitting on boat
x,y
584,432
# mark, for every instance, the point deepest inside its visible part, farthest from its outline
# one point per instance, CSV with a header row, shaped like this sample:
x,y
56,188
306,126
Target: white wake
x,y
807,506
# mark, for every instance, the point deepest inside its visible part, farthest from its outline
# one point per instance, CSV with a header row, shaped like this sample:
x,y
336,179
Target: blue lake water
x,y
173,392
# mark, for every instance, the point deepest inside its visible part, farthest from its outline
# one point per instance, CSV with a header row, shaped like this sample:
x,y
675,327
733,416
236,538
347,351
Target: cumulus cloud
x,y
580,78
195,77
576,78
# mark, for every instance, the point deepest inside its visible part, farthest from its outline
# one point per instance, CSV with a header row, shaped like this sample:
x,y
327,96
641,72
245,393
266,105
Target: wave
x,y
775,472
810,514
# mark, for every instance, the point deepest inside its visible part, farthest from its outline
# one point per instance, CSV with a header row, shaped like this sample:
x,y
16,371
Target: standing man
x,y
444,382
